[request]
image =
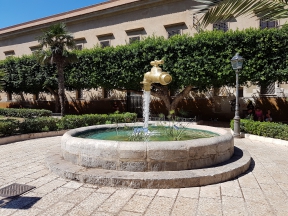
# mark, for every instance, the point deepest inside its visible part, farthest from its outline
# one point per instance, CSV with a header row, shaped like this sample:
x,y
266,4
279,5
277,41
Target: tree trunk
x,y
55,94
22,96
163,93
61,86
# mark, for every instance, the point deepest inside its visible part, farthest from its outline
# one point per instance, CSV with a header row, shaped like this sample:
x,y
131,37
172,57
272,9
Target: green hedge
x,y
40,124
10,127
266,129
24,113
75,121
202,60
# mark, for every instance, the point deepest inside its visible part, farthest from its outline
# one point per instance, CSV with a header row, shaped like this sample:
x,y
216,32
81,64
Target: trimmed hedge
x,y
10,127
266,129
40,124
201,60
24,113
75,121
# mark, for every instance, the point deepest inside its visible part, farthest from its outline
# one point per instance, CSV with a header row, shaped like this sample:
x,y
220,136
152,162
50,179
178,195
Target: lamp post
x,y
237,63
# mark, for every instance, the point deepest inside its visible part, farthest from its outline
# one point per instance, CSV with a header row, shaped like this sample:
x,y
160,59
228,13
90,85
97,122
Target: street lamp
x,y
237,63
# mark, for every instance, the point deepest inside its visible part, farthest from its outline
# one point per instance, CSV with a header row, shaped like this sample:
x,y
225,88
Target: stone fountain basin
x,y
147,156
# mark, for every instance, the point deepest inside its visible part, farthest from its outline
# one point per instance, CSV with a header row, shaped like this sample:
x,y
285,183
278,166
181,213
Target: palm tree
x,y
224,10
56,39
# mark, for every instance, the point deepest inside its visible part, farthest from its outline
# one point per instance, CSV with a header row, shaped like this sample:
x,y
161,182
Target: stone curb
x,y
263,139
230,169
266,139
22,137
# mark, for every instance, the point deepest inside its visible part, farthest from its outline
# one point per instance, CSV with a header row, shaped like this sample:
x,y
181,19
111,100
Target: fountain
x,y
153,164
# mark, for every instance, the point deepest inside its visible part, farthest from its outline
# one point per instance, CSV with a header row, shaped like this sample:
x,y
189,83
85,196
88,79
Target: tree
x,y
224,10
201,61
2,74
25,75
57,40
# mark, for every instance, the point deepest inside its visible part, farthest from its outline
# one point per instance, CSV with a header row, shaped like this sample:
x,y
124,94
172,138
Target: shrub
x,y
75,121
39,124
24,113
266,129
8,127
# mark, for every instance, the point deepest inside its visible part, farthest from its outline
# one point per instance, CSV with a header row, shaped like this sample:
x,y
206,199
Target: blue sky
x,y
13,12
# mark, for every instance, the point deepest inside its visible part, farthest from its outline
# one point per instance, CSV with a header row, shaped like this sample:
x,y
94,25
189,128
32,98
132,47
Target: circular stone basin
x,y
147,156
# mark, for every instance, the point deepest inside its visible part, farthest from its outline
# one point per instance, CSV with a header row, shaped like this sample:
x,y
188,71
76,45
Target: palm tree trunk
x,y
61,87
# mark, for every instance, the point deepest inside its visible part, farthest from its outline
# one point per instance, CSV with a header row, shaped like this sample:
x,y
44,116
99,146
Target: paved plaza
x,y
262,190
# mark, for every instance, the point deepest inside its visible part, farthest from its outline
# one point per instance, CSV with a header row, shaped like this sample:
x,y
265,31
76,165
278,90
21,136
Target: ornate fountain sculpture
x,y
156,75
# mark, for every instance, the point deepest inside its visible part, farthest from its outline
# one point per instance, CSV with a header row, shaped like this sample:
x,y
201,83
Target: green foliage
x,y
75,121
266,129
202,60
8,127
40,124
26,75
24,113
57,39
224,10
2,74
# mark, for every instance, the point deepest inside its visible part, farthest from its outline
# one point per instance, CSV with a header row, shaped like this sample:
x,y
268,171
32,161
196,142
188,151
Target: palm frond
x,y
56,38
224,10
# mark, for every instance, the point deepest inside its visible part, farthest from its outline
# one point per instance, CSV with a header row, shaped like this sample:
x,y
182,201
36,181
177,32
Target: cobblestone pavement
x,y
263,190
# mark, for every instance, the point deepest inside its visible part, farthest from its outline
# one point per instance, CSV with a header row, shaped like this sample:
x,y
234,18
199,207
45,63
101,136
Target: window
x,y
268,89
174,32
105,43
175,29
268,24
223,26
135,34
79,43
105,39
79,46
133,39
9,53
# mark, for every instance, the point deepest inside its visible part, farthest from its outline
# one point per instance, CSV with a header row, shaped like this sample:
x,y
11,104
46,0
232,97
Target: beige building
x,y
118,22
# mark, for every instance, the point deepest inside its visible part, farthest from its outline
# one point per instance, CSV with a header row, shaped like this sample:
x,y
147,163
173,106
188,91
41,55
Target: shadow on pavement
x,y
18,202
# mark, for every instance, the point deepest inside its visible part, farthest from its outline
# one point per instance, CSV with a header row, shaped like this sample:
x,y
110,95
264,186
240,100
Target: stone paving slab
x,y
262,190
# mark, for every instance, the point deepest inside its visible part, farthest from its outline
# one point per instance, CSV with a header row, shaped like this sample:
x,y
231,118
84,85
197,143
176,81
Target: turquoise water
x,y
154,134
